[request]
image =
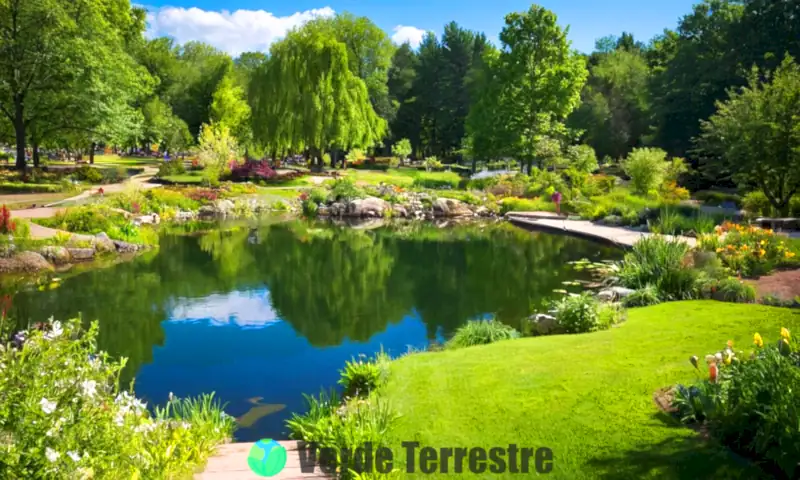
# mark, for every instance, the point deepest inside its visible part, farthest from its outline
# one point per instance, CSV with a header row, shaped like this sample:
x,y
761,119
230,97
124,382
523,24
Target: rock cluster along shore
x,y
80,248
421,207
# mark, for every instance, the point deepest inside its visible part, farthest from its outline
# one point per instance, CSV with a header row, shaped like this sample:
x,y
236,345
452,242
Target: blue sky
x,y
240,25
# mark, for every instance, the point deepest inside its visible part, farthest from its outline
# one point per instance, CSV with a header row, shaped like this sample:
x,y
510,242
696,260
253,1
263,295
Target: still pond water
x,y
262,314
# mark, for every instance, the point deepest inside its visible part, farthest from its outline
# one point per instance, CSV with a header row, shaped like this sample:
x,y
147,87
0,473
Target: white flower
x,y
55,330
89,388
51,454
74,456
138,404
718,356
50,433
48,407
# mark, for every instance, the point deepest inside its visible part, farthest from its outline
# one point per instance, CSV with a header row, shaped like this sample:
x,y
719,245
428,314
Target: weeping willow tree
x,y
306,98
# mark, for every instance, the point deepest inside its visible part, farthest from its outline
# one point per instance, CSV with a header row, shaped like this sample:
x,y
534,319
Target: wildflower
x,y
712,372
745,247
89,388
728,357
762,252
730,344
74,456
51,454
710,359
758,341
720,250
48,407
19,338
785,334
693,360
55,331
718,356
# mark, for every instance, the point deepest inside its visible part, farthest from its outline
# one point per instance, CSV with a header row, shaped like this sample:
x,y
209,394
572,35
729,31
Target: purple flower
x,y
19,338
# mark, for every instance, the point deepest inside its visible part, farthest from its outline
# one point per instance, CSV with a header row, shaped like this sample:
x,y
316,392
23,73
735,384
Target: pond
x,y
263,314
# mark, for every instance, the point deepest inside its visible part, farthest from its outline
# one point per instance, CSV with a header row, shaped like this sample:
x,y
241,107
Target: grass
x,y
402,177
587,397
193,178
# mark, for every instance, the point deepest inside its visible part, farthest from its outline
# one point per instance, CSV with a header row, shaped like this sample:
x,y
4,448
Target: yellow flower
x,y
720,250
758,341
730,343
789,254
745,247
785,334
762,252
763,242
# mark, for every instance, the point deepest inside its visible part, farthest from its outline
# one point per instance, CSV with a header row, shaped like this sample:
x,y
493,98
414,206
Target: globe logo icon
x,y
266,458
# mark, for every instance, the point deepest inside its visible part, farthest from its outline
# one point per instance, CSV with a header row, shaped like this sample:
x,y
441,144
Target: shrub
x,y
345,189
160,199
114,174
252,170
359,378
710,197
318,195
582,158
661,263
578,313
526,205
432,164
751,404
355,156
310,209
643,297
203,195
7,225
672,193
647,169
171,167
481,332
63,408
402,148
756,203
735,290
88,174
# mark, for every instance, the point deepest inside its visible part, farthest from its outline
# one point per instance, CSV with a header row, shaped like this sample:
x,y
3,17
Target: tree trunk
x,y
19,130
530,165
474,165
35,145
91,152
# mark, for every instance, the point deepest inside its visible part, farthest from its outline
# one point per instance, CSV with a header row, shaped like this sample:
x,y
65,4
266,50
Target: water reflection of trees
x,y
330,283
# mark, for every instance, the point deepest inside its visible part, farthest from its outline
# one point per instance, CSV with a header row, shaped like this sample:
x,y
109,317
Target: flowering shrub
x,y
751,404
62,414
252,170
203,195
671,192
7,225
747,250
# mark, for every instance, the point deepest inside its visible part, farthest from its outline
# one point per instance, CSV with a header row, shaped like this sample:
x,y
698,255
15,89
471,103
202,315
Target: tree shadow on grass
x,y
678,457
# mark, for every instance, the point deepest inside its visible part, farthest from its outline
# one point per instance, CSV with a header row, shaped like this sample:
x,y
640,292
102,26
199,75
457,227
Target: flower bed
x,y
748,250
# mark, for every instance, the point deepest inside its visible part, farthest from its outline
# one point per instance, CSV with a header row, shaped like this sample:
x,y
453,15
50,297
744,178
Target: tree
x,y
542,77
402,148
615,112
401,80
755,134
488,138
229,107
647,168
217,148
54,54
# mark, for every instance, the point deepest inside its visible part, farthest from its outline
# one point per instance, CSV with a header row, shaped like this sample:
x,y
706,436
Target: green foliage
x,y
361,377
672,222
318,195
88,174
436,180
172,167
582,158
217,148
513,204
751,404
71,419
647,169
749,134
734,290
660,263
481,332
345,189
355,155
710,197
93,219
402,148
432,163
643,297
580,314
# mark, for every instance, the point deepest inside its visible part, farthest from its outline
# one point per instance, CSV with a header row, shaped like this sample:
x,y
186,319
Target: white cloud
x,y
252,309
412,35
234,32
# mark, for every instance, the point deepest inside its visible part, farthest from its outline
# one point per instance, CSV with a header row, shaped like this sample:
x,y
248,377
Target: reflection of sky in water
x,y
220,343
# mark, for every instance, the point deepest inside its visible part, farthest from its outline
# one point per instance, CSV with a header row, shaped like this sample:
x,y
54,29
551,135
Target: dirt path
x,y
39,232
784,285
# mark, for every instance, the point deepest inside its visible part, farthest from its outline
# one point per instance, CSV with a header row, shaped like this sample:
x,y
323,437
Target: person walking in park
x,y
556,198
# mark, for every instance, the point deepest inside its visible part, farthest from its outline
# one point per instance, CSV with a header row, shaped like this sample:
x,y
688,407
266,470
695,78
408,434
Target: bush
x,y
582,158
644,297
481,332
114,174
647,168
710,197
252,170
751,404
63,408
318,195
578,314
88,174
734,290
671,222
660,263
526,205
7,225
432,164
171,167
359,378
345,189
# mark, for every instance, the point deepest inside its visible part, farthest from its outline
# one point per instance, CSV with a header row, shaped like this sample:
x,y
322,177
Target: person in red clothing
x,y
556,198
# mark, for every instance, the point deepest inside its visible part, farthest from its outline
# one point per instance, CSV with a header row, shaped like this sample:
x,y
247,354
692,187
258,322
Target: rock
x,y
207,212
125,247
483,212
183,216
147,220
56,255
323,211
544,324
103,244
613,294
81,254
224,206
366,207
450,207
399,211
337,209
25,262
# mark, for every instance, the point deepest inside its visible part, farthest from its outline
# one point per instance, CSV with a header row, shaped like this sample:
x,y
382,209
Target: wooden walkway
x,y
230,463
620,236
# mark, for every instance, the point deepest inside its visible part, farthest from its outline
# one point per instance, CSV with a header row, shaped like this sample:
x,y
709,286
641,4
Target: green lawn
x,y
192,178
399,176
587,397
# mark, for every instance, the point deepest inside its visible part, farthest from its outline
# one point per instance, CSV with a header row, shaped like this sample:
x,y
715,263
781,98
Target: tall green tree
x,y
542,78
229,107
755,134
401,79
488,139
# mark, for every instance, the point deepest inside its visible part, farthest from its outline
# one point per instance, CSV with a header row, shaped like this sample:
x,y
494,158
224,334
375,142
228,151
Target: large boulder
x,y
81,254
56,255
103,244
399,211
544,324
24,262
450,207
366,207
152,219
125,247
